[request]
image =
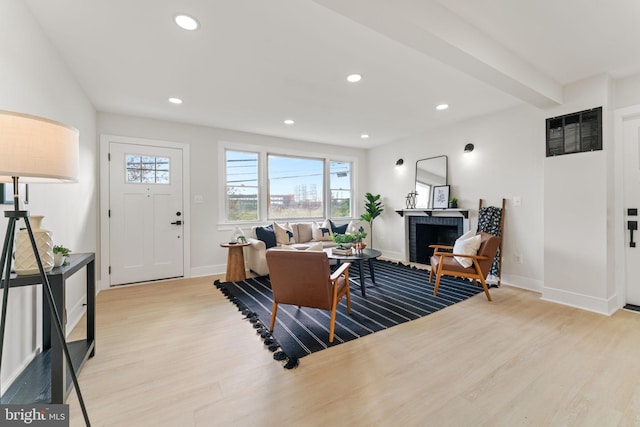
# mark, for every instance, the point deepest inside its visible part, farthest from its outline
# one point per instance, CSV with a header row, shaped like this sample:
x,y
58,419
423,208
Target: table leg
x,y
235,265
373,278
58,362
362,286
91,305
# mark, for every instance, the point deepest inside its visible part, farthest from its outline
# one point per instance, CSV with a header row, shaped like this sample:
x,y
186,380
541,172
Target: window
x,y
6,193
295,187
147,169
267,186
340,184
242,188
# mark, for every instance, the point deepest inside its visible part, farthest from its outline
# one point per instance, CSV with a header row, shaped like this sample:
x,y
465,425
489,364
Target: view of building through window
x,y
340,184
242,186
296,187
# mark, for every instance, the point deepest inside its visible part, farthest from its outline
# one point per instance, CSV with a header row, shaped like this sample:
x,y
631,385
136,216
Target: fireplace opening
x,y
429,234
431,230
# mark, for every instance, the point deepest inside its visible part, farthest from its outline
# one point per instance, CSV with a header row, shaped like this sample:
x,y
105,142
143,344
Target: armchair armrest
x,y
441,247
451,254
340,271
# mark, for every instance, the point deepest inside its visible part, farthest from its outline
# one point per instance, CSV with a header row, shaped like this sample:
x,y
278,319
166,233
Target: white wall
x,y
207,229
507,162
576,197
565,228
35,80
627,91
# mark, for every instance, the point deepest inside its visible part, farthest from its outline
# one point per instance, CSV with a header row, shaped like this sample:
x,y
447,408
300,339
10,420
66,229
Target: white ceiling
x,y
254,63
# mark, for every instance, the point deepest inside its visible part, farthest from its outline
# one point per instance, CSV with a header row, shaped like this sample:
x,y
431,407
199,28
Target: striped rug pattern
x,y
401,294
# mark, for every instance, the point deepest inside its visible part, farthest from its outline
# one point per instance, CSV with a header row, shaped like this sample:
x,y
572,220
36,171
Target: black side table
x,y
45,379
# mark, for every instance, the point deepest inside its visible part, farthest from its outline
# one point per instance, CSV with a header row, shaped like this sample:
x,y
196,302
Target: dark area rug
x,y
401,294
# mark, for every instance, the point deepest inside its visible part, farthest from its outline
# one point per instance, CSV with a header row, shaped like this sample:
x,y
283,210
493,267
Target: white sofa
x,y
302,235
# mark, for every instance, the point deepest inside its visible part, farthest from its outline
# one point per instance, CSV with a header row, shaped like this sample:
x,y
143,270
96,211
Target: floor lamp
x,y
34,150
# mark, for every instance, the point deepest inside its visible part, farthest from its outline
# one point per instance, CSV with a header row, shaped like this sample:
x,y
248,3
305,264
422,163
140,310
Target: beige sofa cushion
x,y
303,232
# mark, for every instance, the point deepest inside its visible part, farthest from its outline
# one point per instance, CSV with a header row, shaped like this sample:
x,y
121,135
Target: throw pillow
x,y
469,234
267,235
321,232
338,229
466,247
284,233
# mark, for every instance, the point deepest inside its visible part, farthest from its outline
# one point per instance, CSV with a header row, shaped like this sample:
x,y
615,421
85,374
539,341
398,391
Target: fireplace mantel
x,y
434,212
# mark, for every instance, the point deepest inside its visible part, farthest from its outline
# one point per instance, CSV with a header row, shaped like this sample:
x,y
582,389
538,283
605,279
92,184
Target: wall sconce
x,y
468,148
400,162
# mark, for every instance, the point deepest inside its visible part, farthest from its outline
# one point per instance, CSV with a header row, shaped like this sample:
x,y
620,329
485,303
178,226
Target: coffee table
x,y
366,255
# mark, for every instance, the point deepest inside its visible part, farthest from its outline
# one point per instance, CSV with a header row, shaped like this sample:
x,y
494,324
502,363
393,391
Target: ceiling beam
x,y
430,28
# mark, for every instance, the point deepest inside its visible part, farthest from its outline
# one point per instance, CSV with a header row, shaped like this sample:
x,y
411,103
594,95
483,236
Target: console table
x,y
45,379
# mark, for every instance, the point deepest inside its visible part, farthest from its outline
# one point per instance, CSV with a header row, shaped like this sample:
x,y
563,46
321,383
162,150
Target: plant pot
x,y
453,205
58,259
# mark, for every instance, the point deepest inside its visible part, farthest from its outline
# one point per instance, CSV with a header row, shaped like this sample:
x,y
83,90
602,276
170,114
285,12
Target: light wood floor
x,y
178,354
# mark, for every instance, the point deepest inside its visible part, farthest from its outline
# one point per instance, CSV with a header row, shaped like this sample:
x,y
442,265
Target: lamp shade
x,y
37,149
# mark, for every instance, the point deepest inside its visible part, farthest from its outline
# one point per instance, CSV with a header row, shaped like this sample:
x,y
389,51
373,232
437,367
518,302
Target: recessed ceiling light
x,y
353,78
288,122
187,22
442,107
175,100
364,136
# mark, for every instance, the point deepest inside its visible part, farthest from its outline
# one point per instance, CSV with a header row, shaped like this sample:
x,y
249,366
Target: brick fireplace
x,y
429,230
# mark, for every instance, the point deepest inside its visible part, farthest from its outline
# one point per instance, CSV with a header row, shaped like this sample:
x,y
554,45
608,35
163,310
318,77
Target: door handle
x,y
632,225
177,222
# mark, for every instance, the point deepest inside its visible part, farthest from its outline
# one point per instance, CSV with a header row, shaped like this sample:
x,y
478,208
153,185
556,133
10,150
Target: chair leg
x,y
332,325
486,289
481,276
430,274
348,299
438,275
274,310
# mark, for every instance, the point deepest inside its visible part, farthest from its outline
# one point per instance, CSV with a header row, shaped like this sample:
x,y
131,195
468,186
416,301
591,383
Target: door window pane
x,y
295,187
147,169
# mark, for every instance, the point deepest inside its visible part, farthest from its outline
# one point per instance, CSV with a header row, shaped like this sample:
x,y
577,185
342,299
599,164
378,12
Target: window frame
x,y
263,195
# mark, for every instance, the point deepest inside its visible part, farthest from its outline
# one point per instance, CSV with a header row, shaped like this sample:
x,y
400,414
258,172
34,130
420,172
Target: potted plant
x,y
453,203
347,239
60,254
373,208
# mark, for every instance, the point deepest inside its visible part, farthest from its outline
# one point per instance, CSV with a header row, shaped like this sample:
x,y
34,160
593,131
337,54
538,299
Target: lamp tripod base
x,y
6,261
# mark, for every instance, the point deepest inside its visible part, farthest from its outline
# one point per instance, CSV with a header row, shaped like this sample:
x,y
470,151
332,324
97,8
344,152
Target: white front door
x,y
631,138
145,213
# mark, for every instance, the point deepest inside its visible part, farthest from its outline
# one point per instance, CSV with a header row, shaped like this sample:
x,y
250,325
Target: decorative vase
x,y
25,262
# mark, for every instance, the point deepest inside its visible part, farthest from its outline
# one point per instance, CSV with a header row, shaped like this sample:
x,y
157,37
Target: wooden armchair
x,y
303,278
443,262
